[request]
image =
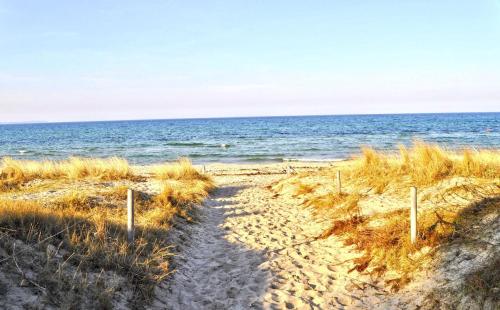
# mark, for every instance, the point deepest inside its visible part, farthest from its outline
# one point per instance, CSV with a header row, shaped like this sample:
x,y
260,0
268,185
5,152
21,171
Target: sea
x,y
246,139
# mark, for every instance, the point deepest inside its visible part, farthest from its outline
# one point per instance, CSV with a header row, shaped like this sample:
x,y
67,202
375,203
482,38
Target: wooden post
x,y
203,169
130,215
288,170
413,214
339,182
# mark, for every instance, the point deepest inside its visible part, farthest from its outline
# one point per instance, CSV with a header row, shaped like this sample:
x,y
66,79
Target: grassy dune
x,y
424,164
14,173
93,245
457,189
183,186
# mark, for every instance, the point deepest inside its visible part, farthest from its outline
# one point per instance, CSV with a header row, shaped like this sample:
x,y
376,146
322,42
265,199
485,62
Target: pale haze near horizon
x,y
109,60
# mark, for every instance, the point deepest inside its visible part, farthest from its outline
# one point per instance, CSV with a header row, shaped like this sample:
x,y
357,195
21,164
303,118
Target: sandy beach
x,y
252,249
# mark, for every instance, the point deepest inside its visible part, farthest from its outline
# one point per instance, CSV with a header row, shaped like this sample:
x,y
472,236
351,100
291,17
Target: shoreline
x,y
272,168
24,155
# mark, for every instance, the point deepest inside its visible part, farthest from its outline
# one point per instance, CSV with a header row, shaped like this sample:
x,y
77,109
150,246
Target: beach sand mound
x,y
63,240
458,228
253,245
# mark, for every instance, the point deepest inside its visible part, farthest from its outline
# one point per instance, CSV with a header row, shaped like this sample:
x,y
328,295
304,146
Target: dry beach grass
x,y
250,245
77,238
14,173
423,164
458,189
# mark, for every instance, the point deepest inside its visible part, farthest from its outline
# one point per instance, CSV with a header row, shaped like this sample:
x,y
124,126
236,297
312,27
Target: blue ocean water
x,y
246,139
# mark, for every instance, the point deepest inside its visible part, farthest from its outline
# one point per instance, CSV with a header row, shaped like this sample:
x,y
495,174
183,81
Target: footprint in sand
x,y
233,261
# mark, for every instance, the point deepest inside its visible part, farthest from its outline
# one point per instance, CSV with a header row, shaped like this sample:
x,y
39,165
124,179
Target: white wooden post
x,y
288,170
339,182
130,215
413,214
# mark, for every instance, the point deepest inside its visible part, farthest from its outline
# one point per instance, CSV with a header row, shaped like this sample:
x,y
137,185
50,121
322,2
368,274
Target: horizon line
x,y
236,117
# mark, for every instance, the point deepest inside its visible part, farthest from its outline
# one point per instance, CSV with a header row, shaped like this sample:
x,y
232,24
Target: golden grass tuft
x,y
423,164
15,172
184,187
78,201
304,189
339,205
183,169
384,238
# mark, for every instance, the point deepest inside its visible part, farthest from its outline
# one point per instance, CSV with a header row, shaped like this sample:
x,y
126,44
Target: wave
x,y
186,144
198,144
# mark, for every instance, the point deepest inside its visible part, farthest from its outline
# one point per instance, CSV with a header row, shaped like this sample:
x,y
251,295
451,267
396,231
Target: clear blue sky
x,y
89,60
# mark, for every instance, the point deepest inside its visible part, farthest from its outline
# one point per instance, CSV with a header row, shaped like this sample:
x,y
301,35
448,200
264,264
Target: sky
x,y
109,60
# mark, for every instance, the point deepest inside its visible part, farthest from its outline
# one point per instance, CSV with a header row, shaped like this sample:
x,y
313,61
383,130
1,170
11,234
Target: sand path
x,y
252,250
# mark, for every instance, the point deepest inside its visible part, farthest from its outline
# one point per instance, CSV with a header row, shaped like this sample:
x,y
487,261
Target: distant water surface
x,y
259,139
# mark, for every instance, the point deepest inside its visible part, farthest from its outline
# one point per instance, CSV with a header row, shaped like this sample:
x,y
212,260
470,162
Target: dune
x,y
259,236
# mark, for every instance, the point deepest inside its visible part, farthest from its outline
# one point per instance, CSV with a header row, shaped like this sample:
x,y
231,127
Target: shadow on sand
x,y
214,273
